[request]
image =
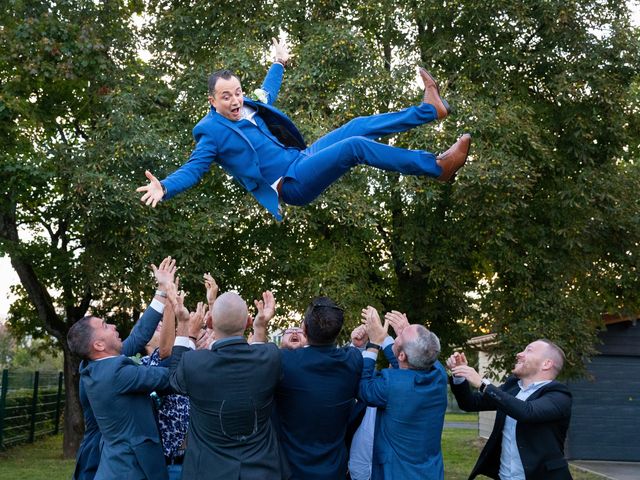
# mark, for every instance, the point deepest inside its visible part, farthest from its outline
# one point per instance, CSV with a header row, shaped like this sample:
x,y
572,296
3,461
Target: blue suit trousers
x,y
333,155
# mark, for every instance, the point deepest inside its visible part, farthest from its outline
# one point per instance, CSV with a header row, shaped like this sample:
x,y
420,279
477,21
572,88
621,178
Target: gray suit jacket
x,y
230,389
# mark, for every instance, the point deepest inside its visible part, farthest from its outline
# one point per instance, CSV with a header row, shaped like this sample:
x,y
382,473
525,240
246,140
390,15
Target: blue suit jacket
x,y
88,455
314,400
411,407
220,140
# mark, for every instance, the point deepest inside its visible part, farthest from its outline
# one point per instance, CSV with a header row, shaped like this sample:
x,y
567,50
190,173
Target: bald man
x,y
533,411
230,388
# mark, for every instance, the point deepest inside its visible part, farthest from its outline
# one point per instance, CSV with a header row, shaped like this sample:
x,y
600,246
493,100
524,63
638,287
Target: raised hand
x,y
212,289
468,373
266,309
457,359
375,329
182,314
165,273
397,320
206,339
196,320
281,51
359,336
153,191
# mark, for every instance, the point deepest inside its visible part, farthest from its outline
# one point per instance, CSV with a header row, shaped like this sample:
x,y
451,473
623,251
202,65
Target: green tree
x,y
537,236
60,66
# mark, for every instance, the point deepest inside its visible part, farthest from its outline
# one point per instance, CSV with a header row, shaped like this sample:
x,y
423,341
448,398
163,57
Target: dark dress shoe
x,y
453,159
432,95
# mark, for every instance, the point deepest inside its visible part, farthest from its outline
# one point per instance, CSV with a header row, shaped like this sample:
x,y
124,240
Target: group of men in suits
x,y
257,411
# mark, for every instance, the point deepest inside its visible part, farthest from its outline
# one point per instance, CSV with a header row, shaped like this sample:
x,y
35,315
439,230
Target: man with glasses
x,y
293,338
316,394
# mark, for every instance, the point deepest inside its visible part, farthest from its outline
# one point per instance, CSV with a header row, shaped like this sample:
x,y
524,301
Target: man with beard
x,y
533,413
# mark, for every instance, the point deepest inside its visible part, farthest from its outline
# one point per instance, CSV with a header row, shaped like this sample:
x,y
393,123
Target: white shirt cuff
x,y
387,341
184,342
458,380
157,305
371,355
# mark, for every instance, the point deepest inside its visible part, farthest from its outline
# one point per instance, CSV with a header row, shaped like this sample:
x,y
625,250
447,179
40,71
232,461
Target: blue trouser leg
x,y
376,126
310,175
333,155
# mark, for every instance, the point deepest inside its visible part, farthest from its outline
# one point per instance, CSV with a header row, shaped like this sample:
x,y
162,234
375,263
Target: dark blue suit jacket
x,y
221,141
314,400
88,455
411,407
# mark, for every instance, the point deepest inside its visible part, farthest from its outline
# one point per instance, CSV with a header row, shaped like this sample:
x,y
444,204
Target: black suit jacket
x,y
543,420
230,389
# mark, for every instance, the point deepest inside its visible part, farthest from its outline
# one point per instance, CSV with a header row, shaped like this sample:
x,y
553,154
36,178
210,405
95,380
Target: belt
x,y
174,460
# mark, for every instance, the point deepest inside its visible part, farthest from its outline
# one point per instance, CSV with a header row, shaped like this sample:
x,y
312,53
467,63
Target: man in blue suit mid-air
x,y
264,151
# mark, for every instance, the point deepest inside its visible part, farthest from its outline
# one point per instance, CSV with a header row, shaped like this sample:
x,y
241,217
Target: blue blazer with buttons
x,y
221,141
88,455
411,407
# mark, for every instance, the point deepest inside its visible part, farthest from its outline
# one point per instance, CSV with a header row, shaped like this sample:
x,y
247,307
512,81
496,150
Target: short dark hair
x,y
323,321
215,76
80,336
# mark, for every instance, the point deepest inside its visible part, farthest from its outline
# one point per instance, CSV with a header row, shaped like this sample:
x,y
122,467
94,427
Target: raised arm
x,y
266,311
273,80
146,326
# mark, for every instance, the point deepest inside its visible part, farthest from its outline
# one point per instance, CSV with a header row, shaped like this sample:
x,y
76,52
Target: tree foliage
x,y
537,238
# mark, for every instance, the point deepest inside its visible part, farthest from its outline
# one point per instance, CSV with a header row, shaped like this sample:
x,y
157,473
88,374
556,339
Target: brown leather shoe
x,y
432,94
453,159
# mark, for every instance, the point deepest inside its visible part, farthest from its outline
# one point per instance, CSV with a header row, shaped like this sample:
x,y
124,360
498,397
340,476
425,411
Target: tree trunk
x,y
73,419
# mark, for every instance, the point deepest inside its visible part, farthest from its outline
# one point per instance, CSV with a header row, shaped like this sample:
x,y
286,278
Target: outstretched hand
x,y
165,272
266,309
212,289
468,373
359,336
397,320
281,50
153,190
457,359
375,329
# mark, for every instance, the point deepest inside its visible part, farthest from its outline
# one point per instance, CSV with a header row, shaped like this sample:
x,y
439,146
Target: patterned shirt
x,y
173,415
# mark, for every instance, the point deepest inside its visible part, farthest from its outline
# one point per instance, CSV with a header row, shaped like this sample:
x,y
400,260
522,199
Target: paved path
x,y
470,425
611,470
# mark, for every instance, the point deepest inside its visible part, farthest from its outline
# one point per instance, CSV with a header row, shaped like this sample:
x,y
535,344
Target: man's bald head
x,y
229,315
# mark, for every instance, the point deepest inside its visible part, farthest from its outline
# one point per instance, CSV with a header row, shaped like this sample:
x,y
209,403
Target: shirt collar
x,y
532,386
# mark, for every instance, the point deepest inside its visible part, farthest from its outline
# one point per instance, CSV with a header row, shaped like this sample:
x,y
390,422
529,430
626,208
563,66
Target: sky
x,y
9,277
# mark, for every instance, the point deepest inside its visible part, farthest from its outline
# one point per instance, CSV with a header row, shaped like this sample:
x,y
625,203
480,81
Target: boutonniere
x,y
136,359
260,95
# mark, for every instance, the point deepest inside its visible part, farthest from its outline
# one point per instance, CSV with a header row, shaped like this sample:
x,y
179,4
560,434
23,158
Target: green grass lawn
x,y
43,459
461,447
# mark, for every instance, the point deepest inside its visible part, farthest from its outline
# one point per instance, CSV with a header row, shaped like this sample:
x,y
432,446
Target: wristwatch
x,y
373,345
160,293
483,385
